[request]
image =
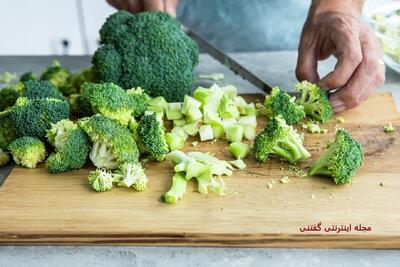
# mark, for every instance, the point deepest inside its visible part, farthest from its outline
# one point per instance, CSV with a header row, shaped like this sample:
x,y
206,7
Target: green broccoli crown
x,y
56,74
152,136
7,130
109,100
80,105
342,159
280,103
27,151
76,80
27,76
140,101
148,49
71,147
8,96
315,101
32,117
40,89
131,175
281,140
4,158
113,144
101,180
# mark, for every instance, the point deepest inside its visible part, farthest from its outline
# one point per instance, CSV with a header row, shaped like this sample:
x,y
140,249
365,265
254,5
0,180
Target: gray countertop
x,y
277,68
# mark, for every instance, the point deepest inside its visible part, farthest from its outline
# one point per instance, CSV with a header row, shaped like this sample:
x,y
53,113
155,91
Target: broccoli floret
x,y
28,76
281,140
80,105
148,49
113,144
7,77
56,74
389,128
32,117
131,175
71,147
178,189
27,151
152,136
315,101
140,101
280,103
342,159
76,80
39,89
109,100
7,130
8,97
101,180
4,158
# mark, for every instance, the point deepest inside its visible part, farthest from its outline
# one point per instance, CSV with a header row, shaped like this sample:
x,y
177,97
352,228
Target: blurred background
x,y
70,27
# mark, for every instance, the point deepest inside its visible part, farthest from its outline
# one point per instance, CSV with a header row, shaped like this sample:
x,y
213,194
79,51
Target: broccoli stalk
x,y
206,180
342,159
27,151
178,189
131,175
101,180
281,140
315,101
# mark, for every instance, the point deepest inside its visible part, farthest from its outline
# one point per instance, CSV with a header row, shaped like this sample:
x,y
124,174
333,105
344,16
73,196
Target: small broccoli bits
x,y
7,130
315,101
32,117
280,103
152,136
148,49
341,160
101,180
113,144
281,140
109,100
131,175
71,147
27,151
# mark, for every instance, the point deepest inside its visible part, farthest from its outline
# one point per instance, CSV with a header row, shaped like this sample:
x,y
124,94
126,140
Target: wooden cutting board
x,y
39,208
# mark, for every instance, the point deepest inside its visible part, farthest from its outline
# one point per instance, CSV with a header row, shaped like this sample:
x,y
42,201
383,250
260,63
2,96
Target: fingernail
x,y
339,109
336,102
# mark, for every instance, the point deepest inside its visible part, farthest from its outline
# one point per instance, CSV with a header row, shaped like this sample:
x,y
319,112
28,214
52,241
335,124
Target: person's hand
x,y
136,6
359,69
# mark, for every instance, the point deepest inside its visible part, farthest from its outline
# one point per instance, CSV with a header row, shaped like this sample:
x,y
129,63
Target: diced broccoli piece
x,y
109,100
113,144
315,101
281,140
71,145
56,74
152,136
234,133
218,167
27,151
180,131
341,160
4,158
206,132
7,130
32,117
174,111
178,189
131,175
140,101
227,107
239,150
175,141
101,180
206,180
280,103
192,128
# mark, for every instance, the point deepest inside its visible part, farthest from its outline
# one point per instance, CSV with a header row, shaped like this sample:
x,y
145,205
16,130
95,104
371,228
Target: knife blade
x,y
228,61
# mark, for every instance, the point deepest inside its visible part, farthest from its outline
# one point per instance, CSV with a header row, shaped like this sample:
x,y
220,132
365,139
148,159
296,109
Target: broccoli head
x,y
76,80
109,100
32,117
101,180
151,136
56,74
27,76
140,101
4,158
281,140
131,175
71,147
80,105
8,96
7,130
315,101
113,144
280,103
148,49
341,160
39,89
27,151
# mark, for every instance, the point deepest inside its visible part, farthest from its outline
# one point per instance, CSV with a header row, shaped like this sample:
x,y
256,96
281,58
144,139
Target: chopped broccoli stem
x,y
27,151
234,133
206,180
212,77
174,141
239,150
101,180
240,164
178,189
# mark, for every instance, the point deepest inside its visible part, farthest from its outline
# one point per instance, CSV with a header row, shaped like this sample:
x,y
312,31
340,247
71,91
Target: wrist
x,y
348,7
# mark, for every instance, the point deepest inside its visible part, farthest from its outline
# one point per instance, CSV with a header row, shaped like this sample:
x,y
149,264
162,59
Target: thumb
x,y
307,64
170,7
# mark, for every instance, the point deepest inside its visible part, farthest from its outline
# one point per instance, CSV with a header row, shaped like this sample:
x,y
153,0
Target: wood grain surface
x,y
39,208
